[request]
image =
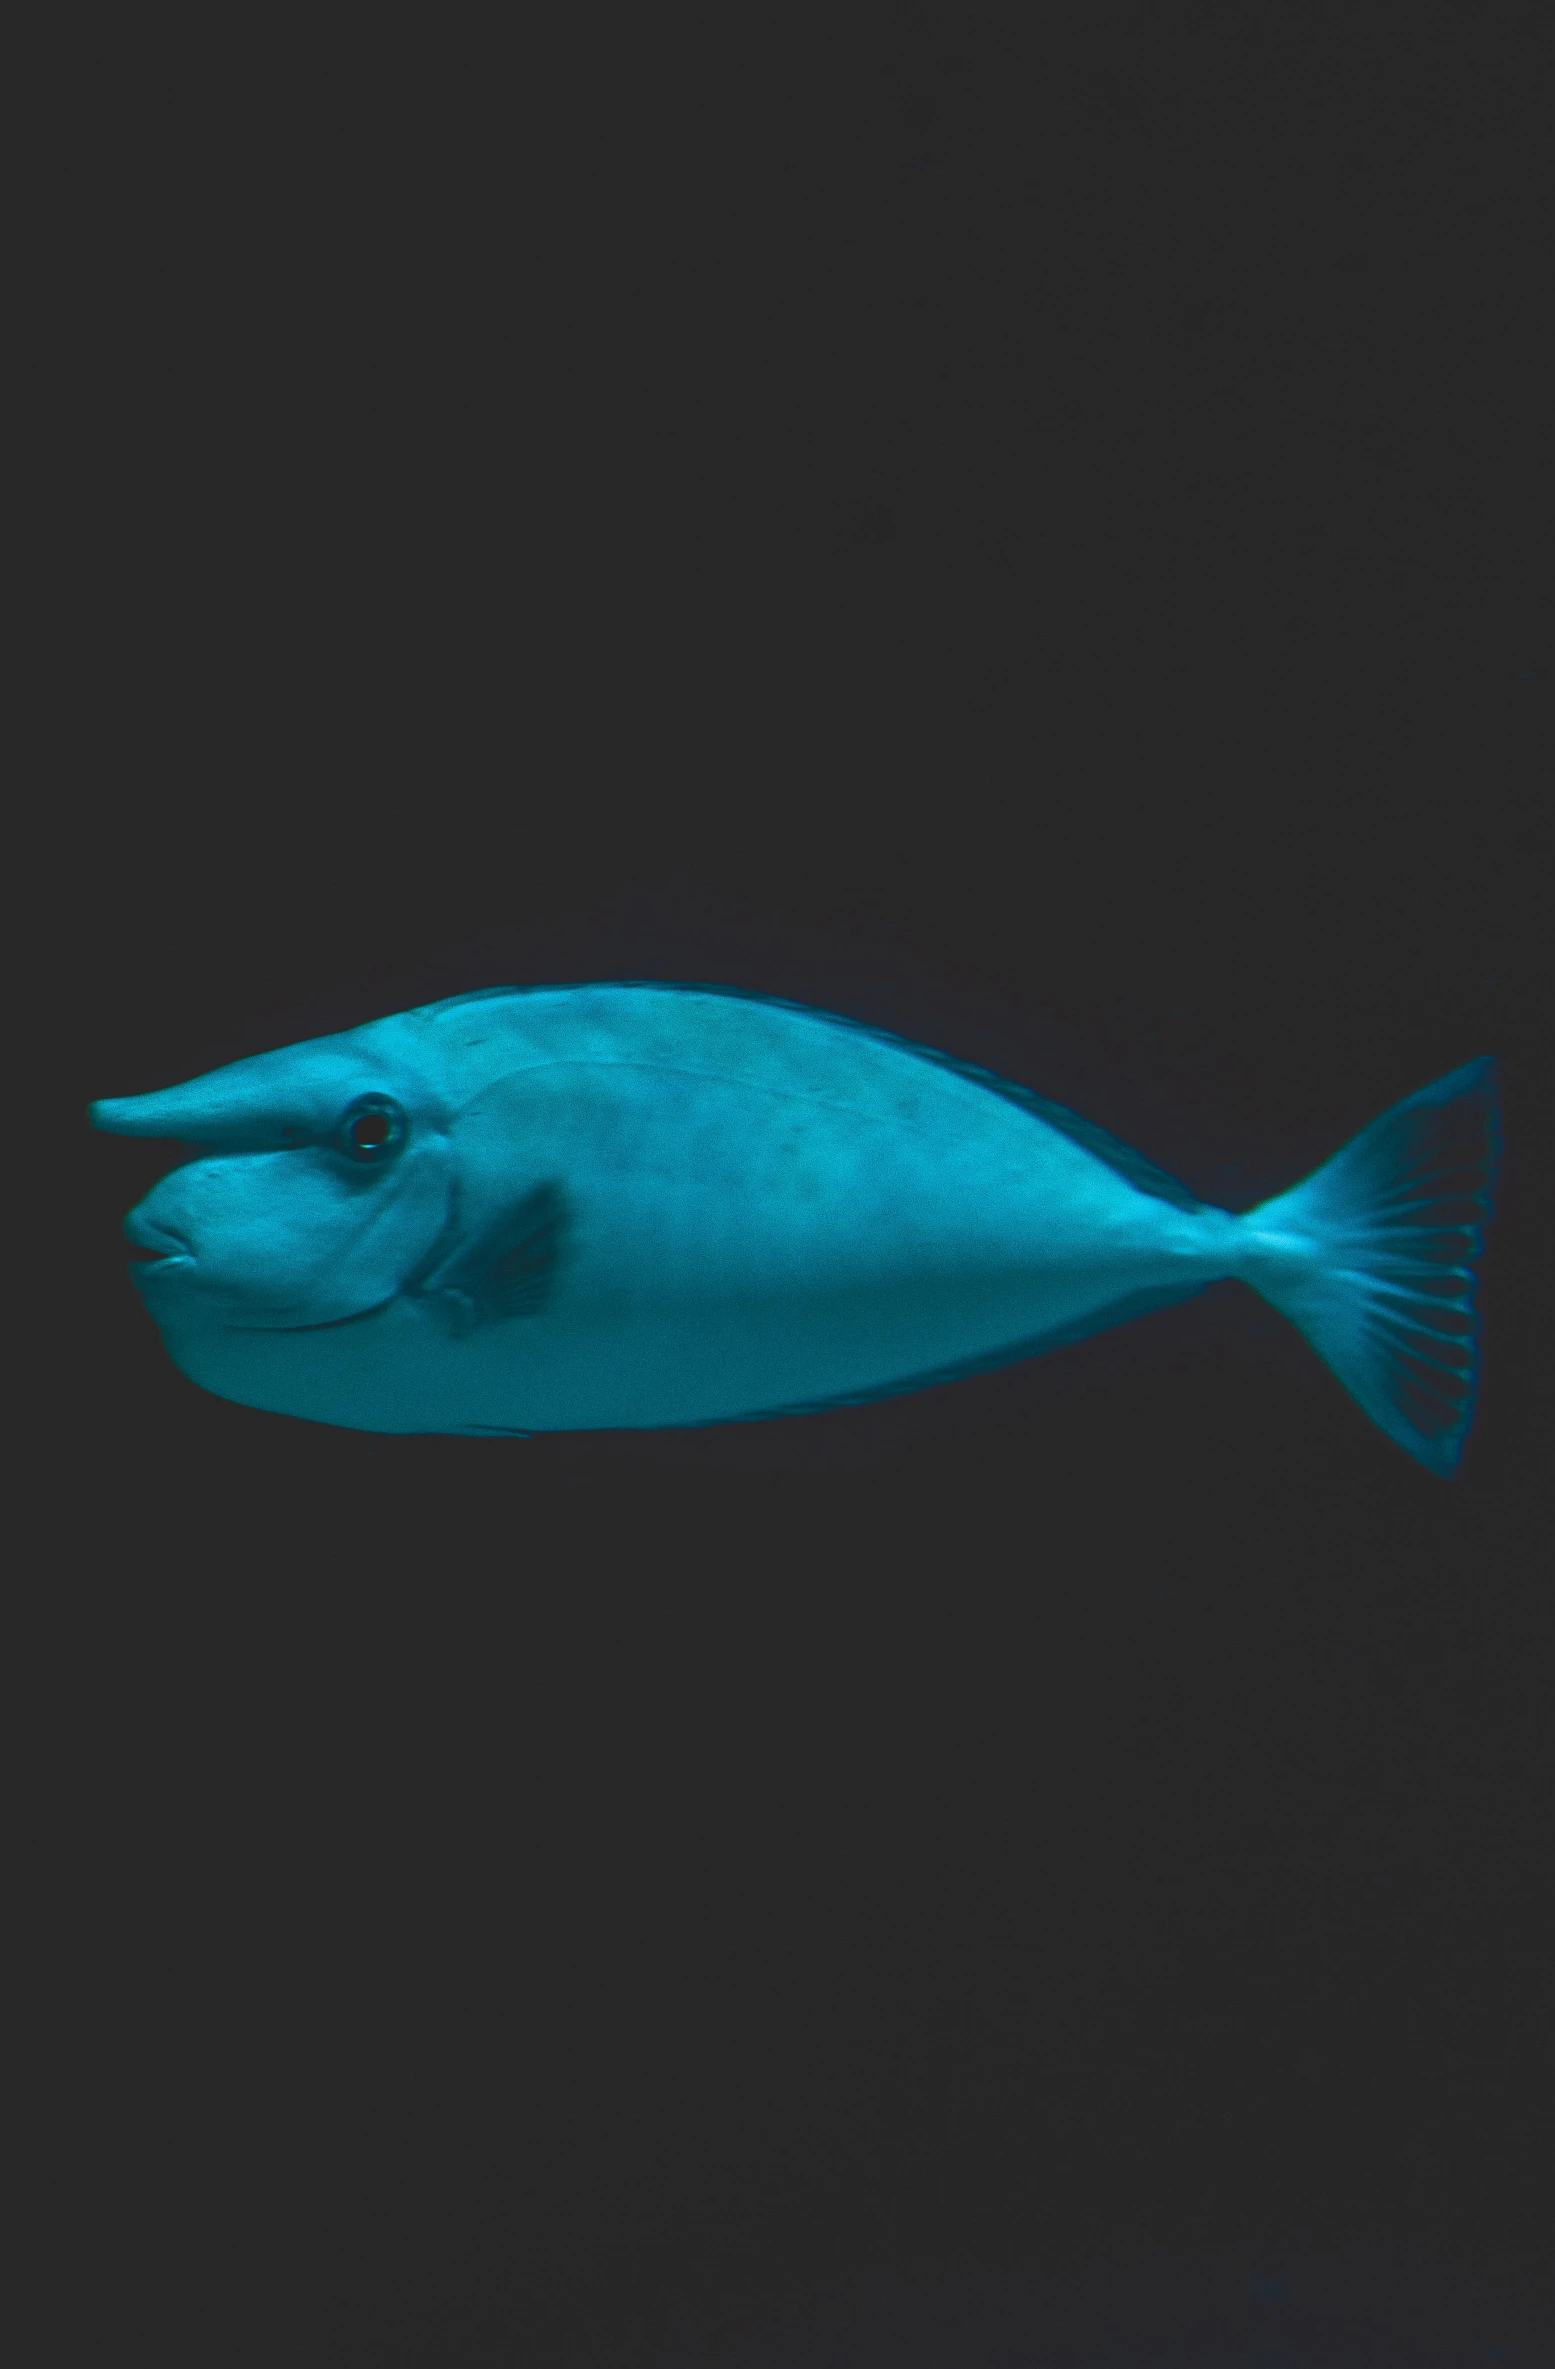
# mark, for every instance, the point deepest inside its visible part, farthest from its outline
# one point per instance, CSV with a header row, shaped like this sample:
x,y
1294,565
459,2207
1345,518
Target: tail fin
x,y
1372,1257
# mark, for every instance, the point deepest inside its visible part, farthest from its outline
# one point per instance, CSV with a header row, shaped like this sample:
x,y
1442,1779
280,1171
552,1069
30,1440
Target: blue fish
x,y
638,1204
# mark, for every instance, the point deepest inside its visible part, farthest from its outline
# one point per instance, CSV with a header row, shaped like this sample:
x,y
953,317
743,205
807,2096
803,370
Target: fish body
x,y
641,1204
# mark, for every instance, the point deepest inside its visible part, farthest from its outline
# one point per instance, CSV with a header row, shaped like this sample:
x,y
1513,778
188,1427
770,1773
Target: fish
x,y
650,1204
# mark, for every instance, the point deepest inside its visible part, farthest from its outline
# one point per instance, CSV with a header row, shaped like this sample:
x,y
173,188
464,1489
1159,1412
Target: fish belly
x,y
726,1362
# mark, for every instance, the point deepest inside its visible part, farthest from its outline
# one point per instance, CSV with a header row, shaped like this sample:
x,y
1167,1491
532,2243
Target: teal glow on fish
x,y
638,1204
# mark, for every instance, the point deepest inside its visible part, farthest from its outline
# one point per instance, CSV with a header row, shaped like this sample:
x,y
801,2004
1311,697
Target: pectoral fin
x,y
510,1268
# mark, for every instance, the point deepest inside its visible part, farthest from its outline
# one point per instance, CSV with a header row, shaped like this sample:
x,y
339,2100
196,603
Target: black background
x,y
1038,541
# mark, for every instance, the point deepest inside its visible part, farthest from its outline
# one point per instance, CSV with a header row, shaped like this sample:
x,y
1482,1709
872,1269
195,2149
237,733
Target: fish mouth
x,y
153,1252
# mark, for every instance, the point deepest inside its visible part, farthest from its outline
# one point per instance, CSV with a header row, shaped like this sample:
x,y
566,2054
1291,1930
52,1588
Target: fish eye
x,y
371,1128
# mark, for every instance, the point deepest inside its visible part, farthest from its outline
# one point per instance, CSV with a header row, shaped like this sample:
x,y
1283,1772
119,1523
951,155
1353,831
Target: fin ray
x,y
1384,1285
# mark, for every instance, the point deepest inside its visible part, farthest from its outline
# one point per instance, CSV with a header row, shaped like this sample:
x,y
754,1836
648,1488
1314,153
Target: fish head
x,y
323,1183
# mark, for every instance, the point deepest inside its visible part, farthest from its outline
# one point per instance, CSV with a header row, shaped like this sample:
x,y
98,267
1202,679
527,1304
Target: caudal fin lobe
x,y
1373,1257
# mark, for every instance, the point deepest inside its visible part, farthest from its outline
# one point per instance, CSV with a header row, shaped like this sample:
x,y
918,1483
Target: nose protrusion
x,y
198,1112
243,1107
130,1114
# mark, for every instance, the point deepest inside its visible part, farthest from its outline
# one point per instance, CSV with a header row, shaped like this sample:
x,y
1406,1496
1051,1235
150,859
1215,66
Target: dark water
x,y
1030,544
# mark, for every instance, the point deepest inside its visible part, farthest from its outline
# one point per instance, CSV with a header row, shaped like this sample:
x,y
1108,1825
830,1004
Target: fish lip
x,y
142,1270
166,1251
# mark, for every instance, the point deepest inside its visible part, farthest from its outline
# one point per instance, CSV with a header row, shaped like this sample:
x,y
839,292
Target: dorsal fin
x,y
1132,1166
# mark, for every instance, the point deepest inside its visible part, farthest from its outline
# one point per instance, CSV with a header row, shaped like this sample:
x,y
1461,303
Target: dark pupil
x,y
370,1130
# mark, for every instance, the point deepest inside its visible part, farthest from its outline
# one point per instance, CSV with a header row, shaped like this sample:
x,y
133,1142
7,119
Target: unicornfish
x,y
637,1204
